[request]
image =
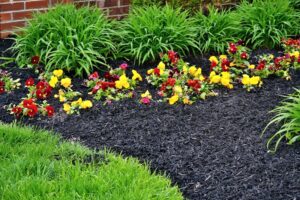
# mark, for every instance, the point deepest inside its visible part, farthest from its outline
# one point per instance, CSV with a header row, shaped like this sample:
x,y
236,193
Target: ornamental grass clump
x,y
265,22
287,116
216,30
75,40
152,30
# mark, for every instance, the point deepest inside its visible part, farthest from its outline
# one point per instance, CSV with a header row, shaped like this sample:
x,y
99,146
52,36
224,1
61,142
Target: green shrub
x,y
152,30
41,166
216,30
265,22
72,39
295,4
287,115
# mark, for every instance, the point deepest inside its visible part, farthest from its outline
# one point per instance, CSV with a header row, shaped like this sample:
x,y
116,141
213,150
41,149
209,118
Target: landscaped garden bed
x,y
189,96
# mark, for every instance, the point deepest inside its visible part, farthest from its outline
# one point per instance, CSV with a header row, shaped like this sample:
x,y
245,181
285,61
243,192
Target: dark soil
x,y
211,149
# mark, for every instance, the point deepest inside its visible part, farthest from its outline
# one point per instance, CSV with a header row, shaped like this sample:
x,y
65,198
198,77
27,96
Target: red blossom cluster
x,y
104,85
2,87
28,107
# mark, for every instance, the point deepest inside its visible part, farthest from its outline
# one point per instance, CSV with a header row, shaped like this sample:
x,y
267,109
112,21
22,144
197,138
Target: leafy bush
x,y
295,4
288,117
265,22
66,38
216,30
152,30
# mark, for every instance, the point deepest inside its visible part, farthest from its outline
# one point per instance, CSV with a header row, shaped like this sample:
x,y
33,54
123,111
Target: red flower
x,y
195,84
225,65
2,89
94,76
298,59
277,61
96,88
2,83
156,71
244,55
124,66
43,90
35,60
29,82
171,82
110,77
241,42
261,65
50,111
27,103
173,57
17,111
232,48
32,110
40,94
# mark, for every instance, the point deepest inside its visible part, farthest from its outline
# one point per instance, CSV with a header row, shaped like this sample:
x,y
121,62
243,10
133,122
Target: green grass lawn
x,y
38,165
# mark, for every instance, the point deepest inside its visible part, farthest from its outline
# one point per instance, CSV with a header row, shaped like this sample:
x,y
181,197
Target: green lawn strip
x,y
38,165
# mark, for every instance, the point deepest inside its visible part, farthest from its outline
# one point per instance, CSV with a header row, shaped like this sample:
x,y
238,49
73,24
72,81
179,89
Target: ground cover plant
x,y
152,30
38,165
265,22
62,38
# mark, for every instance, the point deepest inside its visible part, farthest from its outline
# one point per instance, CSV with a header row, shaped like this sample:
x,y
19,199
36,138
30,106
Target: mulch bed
x,y
211,149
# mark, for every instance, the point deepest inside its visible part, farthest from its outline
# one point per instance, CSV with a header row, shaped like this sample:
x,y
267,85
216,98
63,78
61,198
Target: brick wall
x,y
13,13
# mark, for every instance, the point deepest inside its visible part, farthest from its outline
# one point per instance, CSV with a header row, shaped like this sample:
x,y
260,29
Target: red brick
x,y
111,3
5,34
12,6
119,10
124,2
36,4
22,15
11,25
5,17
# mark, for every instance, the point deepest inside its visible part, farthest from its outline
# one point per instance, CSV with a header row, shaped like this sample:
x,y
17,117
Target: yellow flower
x,y
62,98
225,75
251,66
192,70
187,101
150,71
245,79
214,59
58,72
177,89
136,75
146,94
223,57
295,53
271,56
201,78
161,66
213,73
185,69
230,86
53,81
215,79
76,103
173,99
255,80
225,81
67,108
86,104
232,64
66,82
122,82
198,72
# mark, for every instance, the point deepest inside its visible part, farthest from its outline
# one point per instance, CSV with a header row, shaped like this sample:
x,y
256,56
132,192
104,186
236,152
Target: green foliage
x,y
152,30
67,38
265,22
288,117
216,30
295,4
37,165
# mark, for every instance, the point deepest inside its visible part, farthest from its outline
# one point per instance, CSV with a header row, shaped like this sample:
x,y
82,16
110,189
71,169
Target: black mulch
x,y
211,149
